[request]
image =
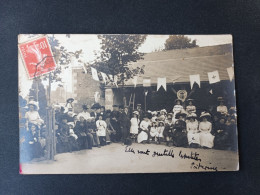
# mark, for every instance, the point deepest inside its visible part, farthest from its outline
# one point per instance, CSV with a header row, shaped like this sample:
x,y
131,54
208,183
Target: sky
x,y
90,44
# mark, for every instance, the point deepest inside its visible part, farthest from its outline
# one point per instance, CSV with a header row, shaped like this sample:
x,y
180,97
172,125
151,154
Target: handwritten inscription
x,y
204,167
194,156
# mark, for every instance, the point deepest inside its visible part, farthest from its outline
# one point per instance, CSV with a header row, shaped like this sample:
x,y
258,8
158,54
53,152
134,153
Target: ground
x,y
116,158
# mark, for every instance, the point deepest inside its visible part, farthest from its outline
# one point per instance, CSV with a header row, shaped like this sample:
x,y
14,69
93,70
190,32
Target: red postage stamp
x,y
37,57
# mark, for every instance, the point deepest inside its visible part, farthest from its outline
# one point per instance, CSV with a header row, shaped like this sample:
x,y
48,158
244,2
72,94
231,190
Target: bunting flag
x,y
104,77
146,92
146,81
161,82
115,80
230,71
84,68
134,80
194,79
94,74
210,91
213,77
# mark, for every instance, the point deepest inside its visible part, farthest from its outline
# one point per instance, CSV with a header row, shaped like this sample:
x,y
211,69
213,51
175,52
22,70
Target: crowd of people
x,y
183,126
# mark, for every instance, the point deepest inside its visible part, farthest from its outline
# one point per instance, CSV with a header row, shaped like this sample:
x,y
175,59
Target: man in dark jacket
x,y
125,123
114,120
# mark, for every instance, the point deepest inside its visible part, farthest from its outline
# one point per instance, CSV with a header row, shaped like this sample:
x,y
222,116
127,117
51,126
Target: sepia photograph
x,y
126,103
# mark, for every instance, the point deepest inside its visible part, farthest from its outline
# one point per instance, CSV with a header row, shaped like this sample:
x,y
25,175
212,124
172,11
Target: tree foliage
x,y
179,42
118,52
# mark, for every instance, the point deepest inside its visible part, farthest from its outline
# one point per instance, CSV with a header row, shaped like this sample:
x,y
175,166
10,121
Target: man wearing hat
x,y
125,124
84,113
140,111
114,120
169,128
97,109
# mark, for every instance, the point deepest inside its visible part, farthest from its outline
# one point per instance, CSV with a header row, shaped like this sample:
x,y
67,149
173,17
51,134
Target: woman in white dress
x,y
176,109
190,108
222,109
134,124
192,130
144,127
205,127
32,116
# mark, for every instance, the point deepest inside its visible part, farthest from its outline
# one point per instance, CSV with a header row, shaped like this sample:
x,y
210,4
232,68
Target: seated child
x,y
160,130
154,131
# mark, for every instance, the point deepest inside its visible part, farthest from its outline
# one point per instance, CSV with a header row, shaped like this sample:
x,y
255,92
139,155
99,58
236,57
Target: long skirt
x,y
206,139
179,138
154,134
134,129
193,138
142,136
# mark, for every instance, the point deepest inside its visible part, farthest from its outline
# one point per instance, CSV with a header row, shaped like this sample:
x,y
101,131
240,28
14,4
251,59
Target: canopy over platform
x,y
177,65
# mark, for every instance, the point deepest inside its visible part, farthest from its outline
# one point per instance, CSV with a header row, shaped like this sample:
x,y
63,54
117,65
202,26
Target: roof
x,y
177,65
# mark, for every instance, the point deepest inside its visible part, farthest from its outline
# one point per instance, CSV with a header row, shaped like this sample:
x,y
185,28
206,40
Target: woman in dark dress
x,y
180,135
168,130
85,139
221,134
63,134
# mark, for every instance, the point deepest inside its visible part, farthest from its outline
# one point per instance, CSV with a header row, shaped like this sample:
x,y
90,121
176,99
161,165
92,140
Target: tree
x,y
179,42
118,52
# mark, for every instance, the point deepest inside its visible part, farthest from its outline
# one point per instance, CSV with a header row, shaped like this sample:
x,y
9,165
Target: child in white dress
x,y
176,109
101,130
154,131
134,125
160,130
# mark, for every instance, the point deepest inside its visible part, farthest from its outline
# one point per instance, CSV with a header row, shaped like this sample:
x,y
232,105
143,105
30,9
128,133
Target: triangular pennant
x,y
104,77
161,82
213,77
94,74
134,80
115,80
230,71
146,81
194,79
84,68
146,92
210,91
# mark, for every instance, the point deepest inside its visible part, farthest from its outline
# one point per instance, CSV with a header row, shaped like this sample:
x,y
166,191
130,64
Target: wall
x,y
84,88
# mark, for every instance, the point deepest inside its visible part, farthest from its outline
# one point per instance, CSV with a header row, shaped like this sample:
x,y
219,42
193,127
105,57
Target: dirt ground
x,y
116,158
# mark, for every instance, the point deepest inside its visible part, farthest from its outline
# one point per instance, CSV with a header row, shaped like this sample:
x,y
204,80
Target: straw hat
x,y
34,103
72,124
136,112
205,114
177,100
70,99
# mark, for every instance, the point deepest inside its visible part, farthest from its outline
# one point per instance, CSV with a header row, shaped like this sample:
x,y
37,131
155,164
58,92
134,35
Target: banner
x,y
146,81
134,80
230,71
194,79
161,82
104,77
213,77
94,74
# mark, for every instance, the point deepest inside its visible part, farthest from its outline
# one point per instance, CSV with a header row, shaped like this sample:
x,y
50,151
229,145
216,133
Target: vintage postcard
x,y
126,103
